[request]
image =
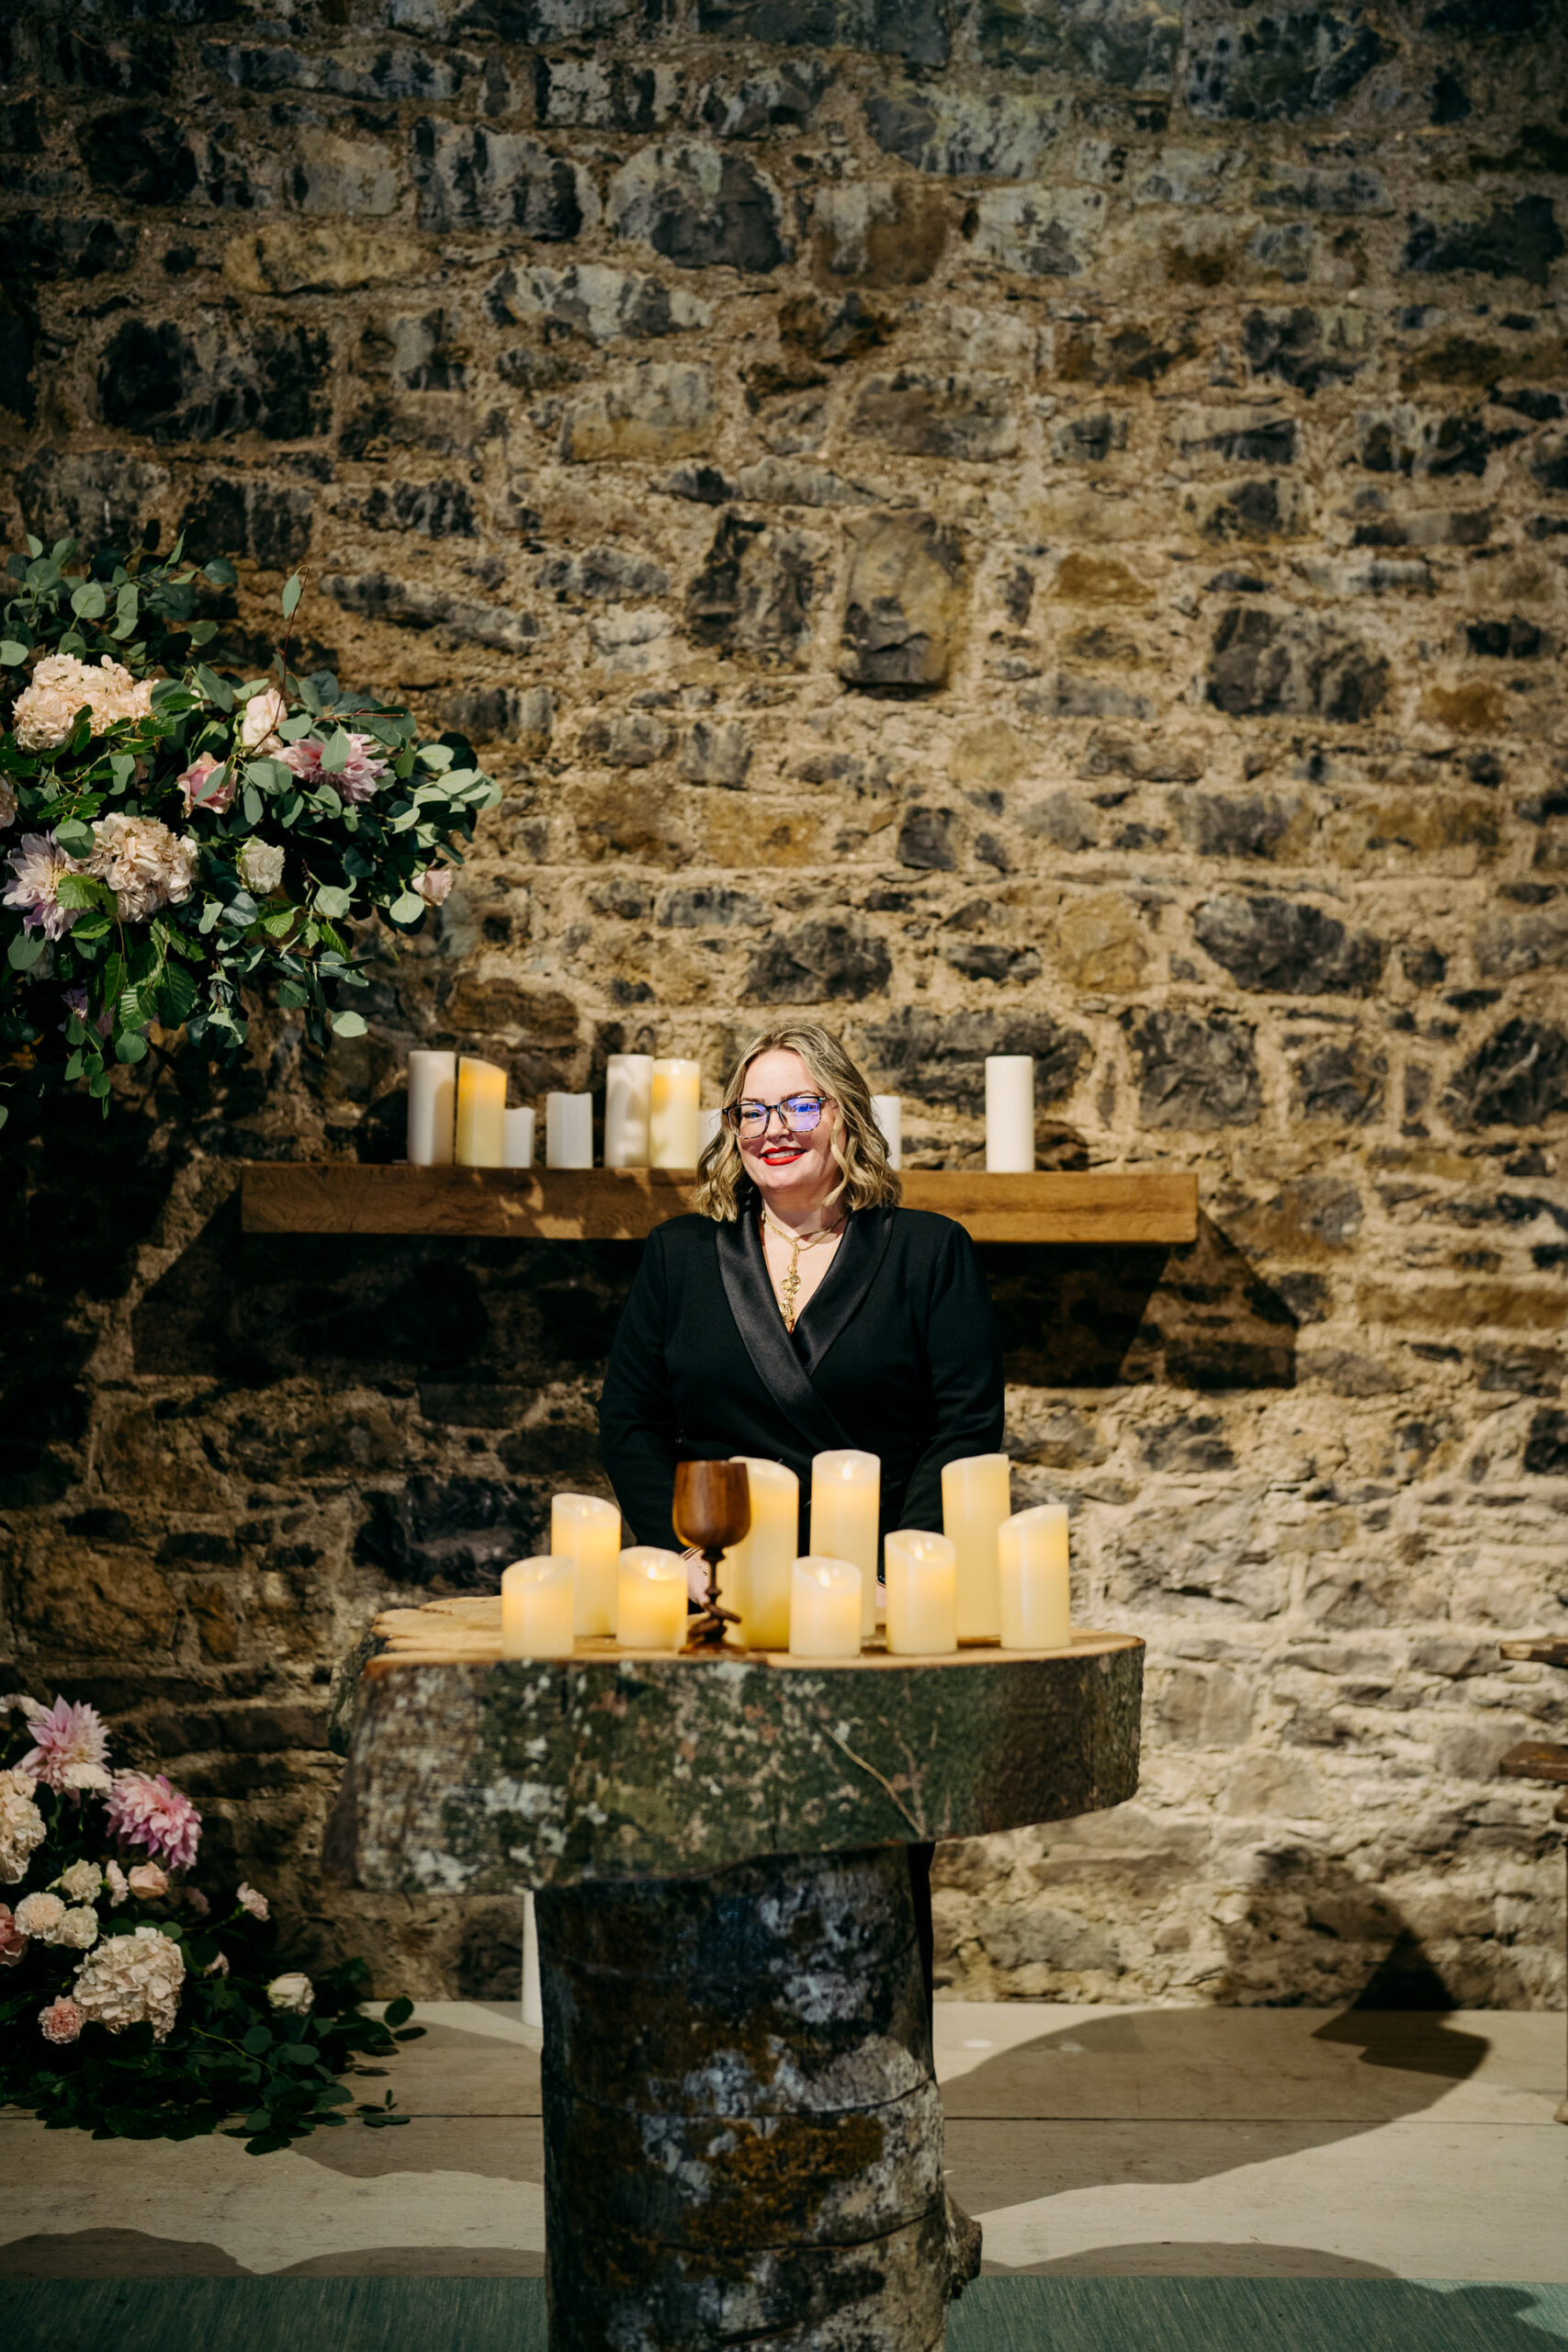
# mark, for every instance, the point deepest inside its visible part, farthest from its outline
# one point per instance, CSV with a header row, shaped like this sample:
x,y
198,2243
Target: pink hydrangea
x,y
70,1748
355,781
63,2019
13,1942
200,790
38,866
143,1810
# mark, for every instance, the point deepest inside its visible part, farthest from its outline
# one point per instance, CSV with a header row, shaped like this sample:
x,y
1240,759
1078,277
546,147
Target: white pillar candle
x,y
673,1125
888,1112
432,1109
629,1105
569,1131
846,1502
922,1594
1009,1113
650,1607
536,1608
517,1140
825,1608
708,1125
1031,1558
481,1112
755,1577
975,1498
587,1530
533,1992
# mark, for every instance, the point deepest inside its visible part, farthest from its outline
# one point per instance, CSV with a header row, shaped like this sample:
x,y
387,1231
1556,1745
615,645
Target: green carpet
x,y
1037,2314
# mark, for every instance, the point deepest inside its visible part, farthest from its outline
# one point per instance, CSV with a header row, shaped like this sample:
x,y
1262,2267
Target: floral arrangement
x,y
130,2003
171,838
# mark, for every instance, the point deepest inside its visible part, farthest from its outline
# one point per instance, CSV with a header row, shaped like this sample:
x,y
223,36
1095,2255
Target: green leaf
x,y
203,632
398,2012
257,2041
251,802
89,601
12,654
130,1049
218,690
292,590
75,839
334,752
332,901
348,1024
26,950
177,996
222,572
406,908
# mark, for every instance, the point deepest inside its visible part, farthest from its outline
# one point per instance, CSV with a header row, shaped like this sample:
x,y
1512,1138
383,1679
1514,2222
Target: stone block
x,y
827,961
1130,44
333,258
1343,190
214,383
710,908
1306,349
1040,233
878,232
1151,759
755,591
1282,65
112,1605
716,751
902,602
458,620
928,839
143,154
922,415
502,715
1254,824
700,207
1098,947
600,573
940,1058
1517,239
43,248
1194,1071
1288,946
1337,1081
345,178
1515,1077
1265,664
965,134
779,97
913,29
626,739
605,93
1507,945
593,300
270,521
660,408
469,176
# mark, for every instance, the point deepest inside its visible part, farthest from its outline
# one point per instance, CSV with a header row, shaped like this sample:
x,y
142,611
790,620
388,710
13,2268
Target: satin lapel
x,y
857,1262
757,1317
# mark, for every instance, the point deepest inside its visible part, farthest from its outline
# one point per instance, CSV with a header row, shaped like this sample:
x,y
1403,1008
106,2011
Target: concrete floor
x,y
1102,2142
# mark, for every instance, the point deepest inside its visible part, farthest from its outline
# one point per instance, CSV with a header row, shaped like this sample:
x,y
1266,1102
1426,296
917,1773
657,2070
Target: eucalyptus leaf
x,y
12,653
89,601
406,908
292,590
330,900
348,1024
251,801
26,950
222,572
335,752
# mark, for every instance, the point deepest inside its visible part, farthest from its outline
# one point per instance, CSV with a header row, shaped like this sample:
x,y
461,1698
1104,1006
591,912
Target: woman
x,y
802,1310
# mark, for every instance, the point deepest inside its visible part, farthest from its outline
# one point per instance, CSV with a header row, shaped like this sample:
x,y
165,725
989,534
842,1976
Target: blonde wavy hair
x,y
865,1179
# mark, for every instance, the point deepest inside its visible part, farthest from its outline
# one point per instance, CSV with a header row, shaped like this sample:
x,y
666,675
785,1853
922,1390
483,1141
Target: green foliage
x,y
232,2062
275,876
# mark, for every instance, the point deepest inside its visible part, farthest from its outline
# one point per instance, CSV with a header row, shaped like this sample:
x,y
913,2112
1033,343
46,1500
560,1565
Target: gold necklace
x,y
788,1290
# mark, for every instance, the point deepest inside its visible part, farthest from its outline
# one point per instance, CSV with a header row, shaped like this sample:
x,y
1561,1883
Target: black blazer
x,y
896,1353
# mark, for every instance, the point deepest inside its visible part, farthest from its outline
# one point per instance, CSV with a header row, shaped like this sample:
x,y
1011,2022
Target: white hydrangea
x,y
21,1827
294,1992
129,1978
46,710
144,863
79,1928
40,1915
82,1882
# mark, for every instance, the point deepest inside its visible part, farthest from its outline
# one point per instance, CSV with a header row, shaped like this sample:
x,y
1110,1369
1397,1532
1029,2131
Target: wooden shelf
x,y
625,1205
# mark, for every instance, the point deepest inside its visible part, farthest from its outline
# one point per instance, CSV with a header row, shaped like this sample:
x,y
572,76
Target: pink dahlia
x,y
70,1748
201,792
355,781
63,2019
145,1811
13,1942
38,866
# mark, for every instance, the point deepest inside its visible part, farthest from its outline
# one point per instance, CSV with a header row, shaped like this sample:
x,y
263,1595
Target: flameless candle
x,y
673,1125
922,1595
1009,1113
754,1579
432,1109
628,1103
975,1498
536,1608
1032,1553
650,1609
569,1131
888,1112
481,1112
587,1530
517,1140
824,1607
846,1500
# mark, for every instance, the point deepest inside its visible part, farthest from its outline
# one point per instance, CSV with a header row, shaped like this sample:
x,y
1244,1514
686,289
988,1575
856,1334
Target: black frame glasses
x,y
799,1114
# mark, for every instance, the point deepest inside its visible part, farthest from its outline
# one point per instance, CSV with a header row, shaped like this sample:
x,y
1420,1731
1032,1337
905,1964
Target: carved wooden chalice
x,y
713,1509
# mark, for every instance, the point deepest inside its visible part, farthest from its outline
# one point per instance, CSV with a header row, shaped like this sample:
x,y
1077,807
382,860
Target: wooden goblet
x,y
713,1509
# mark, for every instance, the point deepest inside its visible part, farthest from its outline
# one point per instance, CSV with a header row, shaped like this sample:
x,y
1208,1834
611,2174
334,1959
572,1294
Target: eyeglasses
x,y
798,1113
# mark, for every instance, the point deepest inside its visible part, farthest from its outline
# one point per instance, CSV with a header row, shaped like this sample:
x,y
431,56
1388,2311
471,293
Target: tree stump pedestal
x,y
743,2135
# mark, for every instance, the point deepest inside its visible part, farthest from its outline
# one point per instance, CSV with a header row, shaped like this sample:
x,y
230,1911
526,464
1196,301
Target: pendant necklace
x,y
789,1288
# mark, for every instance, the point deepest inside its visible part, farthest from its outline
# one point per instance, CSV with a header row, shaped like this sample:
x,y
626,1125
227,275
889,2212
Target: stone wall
x,y
1024,524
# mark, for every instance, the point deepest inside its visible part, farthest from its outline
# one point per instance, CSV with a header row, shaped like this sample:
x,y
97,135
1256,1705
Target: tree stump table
x,y
742,2131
